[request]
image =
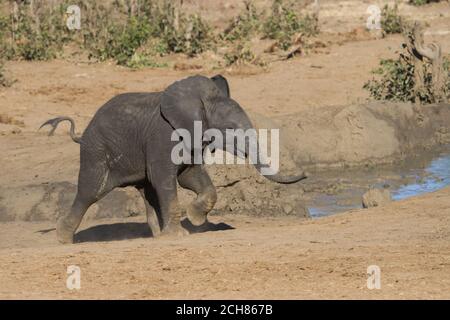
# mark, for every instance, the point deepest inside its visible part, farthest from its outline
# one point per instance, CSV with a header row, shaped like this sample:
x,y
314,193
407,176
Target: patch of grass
x,y
391,21
142,60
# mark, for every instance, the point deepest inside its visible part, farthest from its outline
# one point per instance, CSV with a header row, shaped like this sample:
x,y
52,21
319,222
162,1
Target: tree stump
x,y
432,52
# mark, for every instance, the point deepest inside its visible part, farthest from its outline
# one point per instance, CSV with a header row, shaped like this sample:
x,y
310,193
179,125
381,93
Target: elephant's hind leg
x,y
150,200
94,182
196,178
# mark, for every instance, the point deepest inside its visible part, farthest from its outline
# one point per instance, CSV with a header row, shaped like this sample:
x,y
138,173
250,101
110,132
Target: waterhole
x,y
335,192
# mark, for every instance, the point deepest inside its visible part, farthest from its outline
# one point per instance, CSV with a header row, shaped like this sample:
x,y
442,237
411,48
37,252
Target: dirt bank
x,y
358,135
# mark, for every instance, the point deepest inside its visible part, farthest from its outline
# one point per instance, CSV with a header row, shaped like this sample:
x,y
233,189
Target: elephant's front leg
x,y
196,178
168,208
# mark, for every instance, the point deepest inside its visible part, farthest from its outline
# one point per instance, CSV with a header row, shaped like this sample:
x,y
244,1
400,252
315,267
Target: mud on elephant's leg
x,y
150,200
196,178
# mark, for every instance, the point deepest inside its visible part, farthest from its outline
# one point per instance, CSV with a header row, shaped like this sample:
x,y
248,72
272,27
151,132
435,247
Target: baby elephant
x,y
128,143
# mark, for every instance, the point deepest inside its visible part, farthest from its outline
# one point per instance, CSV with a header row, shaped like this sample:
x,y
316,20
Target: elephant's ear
x,y
183,104
222,83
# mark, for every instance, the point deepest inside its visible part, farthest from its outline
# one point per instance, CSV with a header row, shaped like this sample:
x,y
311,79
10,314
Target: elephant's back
x,y
119,123
129,105
124,112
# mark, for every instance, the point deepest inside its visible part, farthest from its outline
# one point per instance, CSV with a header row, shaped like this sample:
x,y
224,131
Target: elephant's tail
x,y
54,123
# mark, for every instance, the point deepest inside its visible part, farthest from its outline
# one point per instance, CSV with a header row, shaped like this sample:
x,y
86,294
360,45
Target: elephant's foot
x,y
195,216
198,210
63,233
175,229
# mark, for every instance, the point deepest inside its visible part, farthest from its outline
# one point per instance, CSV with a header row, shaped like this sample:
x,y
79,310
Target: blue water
x,y
439,177
435,176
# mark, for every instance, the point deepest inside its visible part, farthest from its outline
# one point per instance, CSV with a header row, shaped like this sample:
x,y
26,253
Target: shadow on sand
x,y
134,230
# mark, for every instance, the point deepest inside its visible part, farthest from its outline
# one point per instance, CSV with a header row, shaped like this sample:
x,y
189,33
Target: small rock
x,y
376,198
287,208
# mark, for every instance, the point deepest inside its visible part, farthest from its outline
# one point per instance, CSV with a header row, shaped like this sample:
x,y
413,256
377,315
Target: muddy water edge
x,y
335,191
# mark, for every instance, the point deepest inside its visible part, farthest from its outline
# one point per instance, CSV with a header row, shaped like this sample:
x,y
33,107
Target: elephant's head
x,y
207,101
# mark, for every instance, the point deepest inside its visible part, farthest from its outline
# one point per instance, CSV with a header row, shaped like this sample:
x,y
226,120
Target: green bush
x,y
244,25
193,37
396,81
283,23
240,54
421,2
38,35
175,34
391,21
136,33
156,25
124,40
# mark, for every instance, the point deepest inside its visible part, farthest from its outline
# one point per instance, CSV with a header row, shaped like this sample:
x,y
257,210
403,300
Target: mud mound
x,y
48,201
367,134
242,190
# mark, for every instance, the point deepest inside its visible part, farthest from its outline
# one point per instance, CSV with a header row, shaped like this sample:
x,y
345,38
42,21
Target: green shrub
x,y
156,25
124,40
391,21
193,36
240,54
396,81
174,33
283,23
244,25
134,33
421,2
37,35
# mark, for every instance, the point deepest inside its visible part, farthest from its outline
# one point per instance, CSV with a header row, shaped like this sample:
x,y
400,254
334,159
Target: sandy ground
x,y
271,257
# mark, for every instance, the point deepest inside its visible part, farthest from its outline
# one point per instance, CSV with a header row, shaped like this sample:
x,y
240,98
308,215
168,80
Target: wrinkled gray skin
x,y
128,143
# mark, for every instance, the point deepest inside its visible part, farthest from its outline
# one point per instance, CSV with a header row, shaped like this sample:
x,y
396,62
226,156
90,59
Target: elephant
x,y
128,143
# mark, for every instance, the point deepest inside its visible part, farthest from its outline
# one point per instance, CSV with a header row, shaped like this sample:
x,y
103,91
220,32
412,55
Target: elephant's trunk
x,y
279,178
276,177
261,164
